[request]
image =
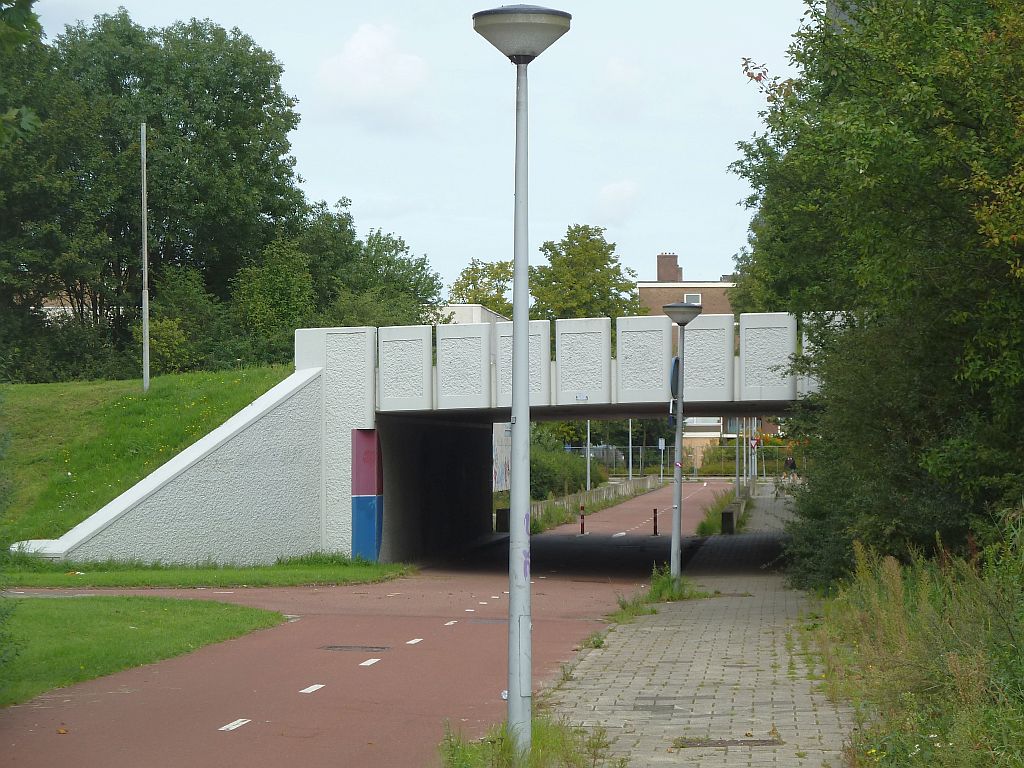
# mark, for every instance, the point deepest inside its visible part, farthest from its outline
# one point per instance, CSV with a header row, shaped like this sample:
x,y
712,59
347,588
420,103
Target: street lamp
x,y
522,33
681,313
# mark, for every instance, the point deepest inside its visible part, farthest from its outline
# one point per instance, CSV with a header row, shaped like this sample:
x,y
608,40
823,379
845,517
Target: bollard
x,y
582,531
655,521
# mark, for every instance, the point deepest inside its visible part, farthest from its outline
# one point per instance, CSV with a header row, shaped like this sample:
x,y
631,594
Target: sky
x,y
405,110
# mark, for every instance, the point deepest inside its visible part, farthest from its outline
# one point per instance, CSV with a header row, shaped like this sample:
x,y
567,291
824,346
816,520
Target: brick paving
x,y
716,683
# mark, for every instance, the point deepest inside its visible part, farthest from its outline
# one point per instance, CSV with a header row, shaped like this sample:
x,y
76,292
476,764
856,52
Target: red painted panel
x,y
367,473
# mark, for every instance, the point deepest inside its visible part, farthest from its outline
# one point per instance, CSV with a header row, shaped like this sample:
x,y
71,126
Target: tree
x,y
486,283
583,278
887,184
19,26
221,182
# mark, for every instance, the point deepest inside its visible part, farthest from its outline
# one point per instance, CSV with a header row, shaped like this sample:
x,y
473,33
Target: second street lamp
x,y
522,33
681,313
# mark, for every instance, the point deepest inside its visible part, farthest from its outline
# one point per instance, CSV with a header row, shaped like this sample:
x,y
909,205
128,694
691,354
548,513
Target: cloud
x,y
373,81
616,201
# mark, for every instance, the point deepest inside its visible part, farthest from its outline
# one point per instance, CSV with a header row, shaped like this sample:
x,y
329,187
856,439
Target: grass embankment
x,y
75,446
711,524
932,656
64,641
314,569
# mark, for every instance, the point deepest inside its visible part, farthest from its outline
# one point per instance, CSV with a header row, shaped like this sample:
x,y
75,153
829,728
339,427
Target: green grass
x,y
68,640
75,446
663,589
555,744
931,655
711,524
28,571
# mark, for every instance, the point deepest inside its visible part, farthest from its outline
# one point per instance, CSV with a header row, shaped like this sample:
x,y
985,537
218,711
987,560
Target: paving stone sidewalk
x,y
716,683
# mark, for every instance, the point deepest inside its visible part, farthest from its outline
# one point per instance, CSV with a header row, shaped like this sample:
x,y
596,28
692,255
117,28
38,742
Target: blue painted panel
x,y
367,526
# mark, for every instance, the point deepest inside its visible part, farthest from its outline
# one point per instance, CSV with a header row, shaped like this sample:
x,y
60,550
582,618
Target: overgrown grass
x,y
712,523
663,589
66,641
555,744
318,568
75,446
932,654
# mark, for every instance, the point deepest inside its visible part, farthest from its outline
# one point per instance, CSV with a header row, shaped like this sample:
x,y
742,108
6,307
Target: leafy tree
x,y
887,184
583,278
486,283
221,182
19,26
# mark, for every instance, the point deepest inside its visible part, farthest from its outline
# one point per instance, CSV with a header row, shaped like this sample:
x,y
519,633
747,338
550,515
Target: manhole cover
x,y
362,648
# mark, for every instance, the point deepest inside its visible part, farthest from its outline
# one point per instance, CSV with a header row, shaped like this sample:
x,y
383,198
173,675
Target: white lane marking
x,y
620,533
312,688
450,623
235,724
482,602
369,662
471,610
393,594
414,641
228,593
495,597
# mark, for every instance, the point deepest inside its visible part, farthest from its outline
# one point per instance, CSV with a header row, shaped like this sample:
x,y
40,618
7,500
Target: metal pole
x,y
675,567
520,653
737,432
588,454
630,449
145,268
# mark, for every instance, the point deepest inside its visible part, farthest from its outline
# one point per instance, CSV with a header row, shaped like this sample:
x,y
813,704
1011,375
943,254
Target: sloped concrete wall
x,y
247,493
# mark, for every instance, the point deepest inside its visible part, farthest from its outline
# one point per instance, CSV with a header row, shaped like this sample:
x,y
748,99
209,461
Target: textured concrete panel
x,y
405,359
767,342
349,355
464,357
708,368
583,352
540,363
247,493
643,347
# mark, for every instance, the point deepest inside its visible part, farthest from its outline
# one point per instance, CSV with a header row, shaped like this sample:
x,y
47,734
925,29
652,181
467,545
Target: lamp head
x,y
521,32
681,312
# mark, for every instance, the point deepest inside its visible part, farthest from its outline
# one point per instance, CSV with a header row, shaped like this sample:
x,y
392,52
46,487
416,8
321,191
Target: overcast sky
x,y
634,118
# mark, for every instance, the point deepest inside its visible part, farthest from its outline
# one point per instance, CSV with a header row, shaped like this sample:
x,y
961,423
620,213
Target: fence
x,y
608,492
646,460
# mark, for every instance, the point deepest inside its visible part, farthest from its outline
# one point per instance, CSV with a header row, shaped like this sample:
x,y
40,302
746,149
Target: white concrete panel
x,y
405,363
246,493
767,341
464,354
540,363
709,341
349,400
583,349
643,348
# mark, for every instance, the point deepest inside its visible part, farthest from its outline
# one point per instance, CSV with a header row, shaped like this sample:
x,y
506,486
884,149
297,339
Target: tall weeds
x,y
931,653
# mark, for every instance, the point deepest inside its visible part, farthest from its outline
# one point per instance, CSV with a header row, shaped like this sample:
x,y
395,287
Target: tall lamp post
x,y
522,33
680,313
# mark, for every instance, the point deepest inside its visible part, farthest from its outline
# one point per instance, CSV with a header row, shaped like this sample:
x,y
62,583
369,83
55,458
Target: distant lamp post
x,y
680,313
522,33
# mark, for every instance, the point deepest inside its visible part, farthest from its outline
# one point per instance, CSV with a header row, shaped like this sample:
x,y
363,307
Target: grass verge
x,y
555,744
315,569
75,446
711,525
663,589
65,641
931,654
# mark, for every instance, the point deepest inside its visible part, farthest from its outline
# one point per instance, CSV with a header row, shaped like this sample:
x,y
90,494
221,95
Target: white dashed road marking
x,y
414,641
369,662
450,623
312,688
234,724
620,533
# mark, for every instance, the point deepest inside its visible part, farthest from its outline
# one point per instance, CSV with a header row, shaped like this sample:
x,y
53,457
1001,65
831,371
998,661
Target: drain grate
x,y
684,743
362,648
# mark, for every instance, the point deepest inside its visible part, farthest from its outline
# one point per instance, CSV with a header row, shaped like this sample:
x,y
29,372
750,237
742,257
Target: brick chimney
x,y
669,270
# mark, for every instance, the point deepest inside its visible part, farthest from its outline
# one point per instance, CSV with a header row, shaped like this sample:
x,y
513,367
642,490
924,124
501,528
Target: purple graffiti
x,y
526,565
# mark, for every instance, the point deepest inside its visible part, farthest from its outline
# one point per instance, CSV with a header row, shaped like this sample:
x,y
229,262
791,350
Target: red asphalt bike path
x,y
440,638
